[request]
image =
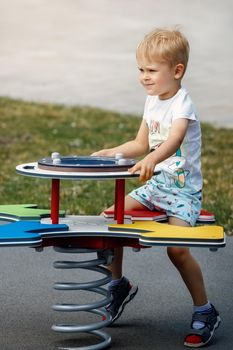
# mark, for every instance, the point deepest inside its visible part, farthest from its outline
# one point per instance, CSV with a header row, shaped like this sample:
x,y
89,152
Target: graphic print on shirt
x,y
173,165
180,172
176,169
154,127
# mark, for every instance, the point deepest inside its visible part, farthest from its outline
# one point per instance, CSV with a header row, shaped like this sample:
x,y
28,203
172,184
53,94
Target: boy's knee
x,y
178,255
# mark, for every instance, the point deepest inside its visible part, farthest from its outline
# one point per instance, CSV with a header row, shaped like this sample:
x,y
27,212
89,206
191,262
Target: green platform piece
x,y
18,212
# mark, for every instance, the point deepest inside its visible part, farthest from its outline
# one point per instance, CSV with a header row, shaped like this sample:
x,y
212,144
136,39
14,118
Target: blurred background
x,y
82,52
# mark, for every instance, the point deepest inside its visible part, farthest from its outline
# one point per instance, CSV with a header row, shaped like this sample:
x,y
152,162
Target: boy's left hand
x,y
146,167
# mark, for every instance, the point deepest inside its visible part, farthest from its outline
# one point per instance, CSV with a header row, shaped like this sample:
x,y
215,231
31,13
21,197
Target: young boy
x,y
170,137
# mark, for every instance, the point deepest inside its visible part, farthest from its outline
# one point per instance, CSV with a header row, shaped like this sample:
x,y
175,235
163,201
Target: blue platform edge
x,y
27,233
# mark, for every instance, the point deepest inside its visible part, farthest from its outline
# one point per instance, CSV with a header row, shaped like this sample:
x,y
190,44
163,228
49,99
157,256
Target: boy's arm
x,y
130,149
165,150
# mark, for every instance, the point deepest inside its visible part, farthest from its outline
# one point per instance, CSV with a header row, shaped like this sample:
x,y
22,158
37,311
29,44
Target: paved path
x,y
83,51
156,319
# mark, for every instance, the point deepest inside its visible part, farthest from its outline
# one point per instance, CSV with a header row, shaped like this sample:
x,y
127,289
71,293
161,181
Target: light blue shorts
x,y
161,193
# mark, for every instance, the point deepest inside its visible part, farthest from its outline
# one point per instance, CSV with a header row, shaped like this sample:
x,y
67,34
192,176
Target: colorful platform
x,y
15,212
205,216
154,233
27,233
146,233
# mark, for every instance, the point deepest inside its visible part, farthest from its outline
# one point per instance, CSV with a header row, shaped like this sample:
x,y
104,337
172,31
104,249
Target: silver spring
x,y
97,307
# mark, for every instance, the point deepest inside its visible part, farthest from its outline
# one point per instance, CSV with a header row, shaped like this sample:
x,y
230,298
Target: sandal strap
x,y
205,318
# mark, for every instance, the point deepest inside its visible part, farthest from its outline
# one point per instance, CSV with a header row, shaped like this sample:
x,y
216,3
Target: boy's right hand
x,y
145,166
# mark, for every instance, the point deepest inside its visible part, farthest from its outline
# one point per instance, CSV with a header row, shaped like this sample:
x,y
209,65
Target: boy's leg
x,y
121,289
116,266
205,317
188,268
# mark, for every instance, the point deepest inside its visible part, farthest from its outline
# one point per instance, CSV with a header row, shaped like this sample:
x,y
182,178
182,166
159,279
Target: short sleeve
x,y
184,107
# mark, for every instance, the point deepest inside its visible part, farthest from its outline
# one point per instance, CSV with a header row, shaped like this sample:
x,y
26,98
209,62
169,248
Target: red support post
x,y
119,201
116,200
55,196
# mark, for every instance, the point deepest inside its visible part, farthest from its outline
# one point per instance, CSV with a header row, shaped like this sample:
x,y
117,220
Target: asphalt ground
x,y
157,318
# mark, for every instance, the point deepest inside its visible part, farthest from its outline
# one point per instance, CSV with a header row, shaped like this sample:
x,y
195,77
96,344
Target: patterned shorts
x,y
161,193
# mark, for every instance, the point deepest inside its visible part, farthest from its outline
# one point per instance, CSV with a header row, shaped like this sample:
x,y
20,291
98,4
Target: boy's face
x,y
159,78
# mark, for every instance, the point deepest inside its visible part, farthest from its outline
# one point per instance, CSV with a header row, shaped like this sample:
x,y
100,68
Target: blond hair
x,y
166,45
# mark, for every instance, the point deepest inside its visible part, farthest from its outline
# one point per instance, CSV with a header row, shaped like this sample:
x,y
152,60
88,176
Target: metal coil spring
x,y
104,257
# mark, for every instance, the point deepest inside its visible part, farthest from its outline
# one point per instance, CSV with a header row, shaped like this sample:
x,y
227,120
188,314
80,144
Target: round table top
x,y
85,163
32,170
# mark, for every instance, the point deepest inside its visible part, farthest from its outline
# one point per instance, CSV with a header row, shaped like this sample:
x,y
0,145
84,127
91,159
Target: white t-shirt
x,y
159,116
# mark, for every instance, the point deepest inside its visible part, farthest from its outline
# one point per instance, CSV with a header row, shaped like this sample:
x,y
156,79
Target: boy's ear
x,y
179,71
